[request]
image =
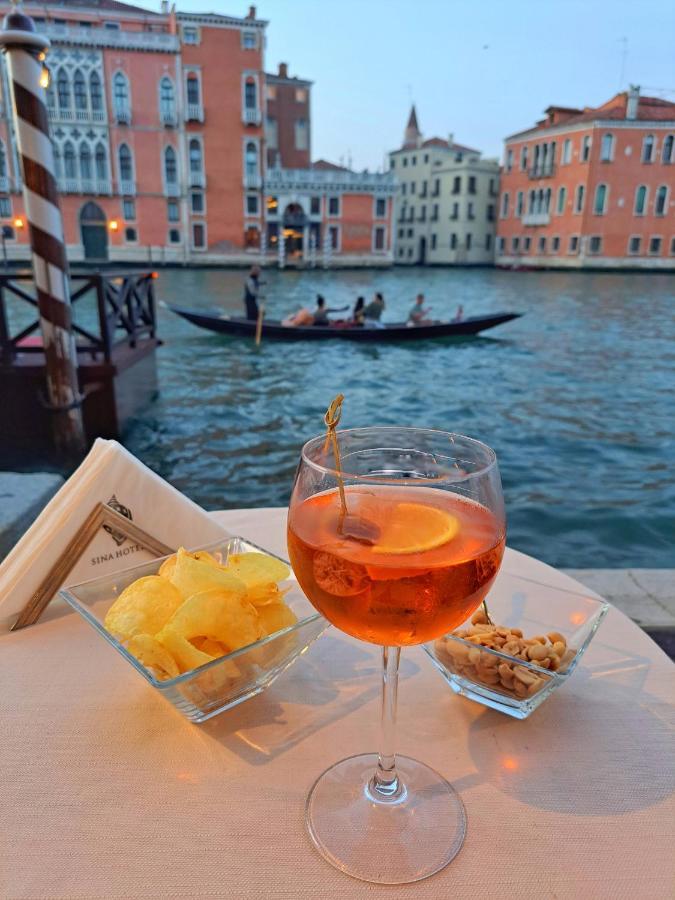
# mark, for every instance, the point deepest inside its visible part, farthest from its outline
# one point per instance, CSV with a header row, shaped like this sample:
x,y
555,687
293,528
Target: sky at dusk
x,y
479,69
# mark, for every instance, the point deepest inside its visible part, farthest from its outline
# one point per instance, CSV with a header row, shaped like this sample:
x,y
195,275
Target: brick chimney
x,y
632,101
283,70
251,12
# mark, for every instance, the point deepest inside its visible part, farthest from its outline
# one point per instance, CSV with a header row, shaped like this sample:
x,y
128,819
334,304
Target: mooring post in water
x,y
28,77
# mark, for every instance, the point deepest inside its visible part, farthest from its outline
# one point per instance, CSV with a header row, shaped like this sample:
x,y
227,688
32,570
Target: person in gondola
x,y
357,314
418,315
321,313
252,292
373,312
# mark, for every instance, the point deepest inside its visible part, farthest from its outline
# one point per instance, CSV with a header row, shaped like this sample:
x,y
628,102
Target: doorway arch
x,y
94,232
294,223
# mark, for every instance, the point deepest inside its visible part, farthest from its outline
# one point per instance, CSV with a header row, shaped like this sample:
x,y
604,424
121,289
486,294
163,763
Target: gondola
x,y
396,331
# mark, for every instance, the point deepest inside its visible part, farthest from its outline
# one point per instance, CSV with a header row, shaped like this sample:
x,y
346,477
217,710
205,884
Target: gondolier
x,y
252,292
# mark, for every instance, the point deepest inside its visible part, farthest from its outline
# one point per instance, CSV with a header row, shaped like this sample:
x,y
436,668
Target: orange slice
x,y
414,528
338,576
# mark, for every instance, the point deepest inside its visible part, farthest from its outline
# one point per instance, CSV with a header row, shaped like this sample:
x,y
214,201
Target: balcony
x,y
128,188
251,117
316,180
547,170
87,186
173,189
72,186
253,181
168,116
74,35
194,112
197,179
538,218
122,114
103,186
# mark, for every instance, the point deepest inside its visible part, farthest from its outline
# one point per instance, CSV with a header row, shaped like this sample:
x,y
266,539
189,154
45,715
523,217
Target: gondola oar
x,y
259,323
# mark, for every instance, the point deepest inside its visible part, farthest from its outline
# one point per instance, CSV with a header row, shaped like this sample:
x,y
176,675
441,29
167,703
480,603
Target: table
x,y
106,791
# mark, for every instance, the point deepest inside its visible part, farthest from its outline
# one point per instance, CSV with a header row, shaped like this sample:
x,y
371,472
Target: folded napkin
x,y
109,474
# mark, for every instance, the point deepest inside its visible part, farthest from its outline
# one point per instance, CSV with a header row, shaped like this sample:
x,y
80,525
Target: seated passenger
x,y
418,314
357,313
301,317
373,312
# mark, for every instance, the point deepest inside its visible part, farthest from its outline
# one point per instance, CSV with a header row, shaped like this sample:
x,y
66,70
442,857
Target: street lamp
x,y
113,225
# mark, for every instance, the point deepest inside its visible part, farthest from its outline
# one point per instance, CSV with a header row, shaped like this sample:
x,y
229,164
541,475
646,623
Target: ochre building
x,y
592,188
158,124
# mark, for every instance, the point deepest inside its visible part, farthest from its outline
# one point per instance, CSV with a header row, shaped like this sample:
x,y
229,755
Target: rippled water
x,y
577,398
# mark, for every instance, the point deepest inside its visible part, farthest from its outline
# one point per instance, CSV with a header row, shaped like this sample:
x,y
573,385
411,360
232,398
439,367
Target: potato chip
x,y
143,608
256,569
220,615
192,575
208,645
264,594
186,655
276,616
167,568
151,654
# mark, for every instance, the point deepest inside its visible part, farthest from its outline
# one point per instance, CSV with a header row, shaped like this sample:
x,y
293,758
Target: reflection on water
x,y
577,397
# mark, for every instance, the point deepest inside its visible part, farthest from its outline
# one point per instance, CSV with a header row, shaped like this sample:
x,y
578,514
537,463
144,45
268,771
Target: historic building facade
x,y
592,188
158,127
447,201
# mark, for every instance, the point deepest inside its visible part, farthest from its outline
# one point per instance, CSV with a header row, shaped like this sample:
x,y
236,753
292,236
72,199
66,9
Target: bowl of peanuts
x,y
515,667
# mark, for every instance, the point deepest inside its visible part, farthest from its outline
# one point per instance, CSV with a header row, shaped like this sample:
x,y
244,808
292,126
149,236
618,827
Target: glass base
x,y
394,841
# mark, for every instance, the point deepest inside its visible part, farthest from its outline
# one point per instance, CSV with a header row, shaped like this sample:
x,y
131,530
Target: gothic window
x,y
195,156
667,152
170,169
63,89
101,163
95,93
121,91
640,200
69,160
193,92
80,90
660,204
250,94
600,199
607,147
85,161
251,159
166,98
58,168
648,148
126,165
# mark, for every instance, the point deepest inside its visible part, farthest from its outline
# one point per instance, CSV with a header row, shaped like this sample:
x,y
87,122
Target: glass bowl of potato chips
x,y
207,628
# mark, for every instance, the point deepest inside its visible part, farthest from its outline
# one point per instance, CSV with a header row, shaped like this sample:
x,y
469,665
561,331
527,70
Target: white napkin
x,y
109,474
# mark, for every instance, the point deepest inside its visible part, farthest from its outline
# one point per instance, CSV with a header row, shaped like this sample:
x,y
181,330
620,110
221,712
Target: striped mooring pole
x,y
25,52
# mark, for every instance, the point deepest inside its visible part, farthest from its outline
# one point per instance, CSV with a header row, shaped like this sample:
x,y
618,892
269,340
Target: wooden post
x,y
25,52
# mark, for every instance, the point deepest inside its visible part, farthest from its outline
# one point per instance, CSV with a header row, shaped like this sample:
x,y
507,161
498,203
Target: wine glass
x,y
396,546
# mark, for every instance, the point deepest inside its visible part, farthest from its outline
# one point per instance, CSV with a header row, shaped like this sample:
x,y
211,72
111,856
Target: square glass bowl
x,y
536,609
224,682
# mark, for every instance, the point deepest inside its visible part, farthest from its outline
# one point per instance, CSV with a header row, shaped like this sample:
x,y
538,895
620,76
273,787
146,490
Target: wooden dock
x,y
115,327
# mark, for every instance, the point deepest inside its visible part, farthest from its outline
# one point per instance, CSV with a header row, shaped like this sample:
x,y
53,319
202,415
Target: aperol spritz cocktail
x,y
420,566
396,546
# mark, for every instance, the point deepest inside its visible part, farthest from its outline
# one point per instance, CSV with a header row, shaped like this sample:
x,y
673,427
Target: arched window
x,y
69,160
648,148
51,95
126,165
63,89
101,160
58,168
121,91
166,95
85,162
170,168
250,94
562,200
80,90
531,200
548,199
640,200
607,147
251,159
661,202
667,155
195,156
600,199
193,93
3,161
95,92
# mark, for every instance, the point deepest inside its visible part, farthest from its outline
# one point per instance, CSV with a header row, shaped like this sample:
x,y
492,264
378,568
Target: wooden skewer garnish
x,y
355,527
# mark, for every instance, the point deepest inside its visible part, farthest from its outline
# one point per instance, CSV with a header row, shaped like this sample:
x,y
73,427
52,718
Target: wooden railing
x,y
125,312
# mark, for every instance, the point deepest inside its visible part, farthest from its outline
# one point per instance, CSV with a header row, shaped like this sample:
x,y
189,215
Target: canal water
x,y
577,397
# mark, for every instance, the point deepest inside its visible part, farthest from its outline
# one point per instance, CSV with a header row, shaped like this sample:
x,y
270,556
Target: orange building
x,y
592,188
158,128
288,120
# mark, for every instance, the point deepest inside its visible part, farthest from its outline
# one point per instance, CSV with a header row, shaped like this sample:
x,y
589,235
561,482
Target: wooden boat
x,y
396,331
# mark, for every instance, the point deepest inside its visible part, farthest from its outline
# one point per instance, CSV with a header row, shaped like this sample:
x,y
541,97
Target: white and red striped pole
x,y
25,52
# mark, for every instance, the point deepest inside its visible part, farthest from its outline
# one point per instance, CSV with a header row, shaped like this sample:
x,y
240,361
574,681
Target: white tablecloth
x,y
106,791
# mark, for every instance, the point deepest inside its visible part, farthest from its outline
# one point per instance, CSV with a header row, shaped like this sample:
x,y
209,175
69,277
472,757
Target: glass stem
x,y
385,785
